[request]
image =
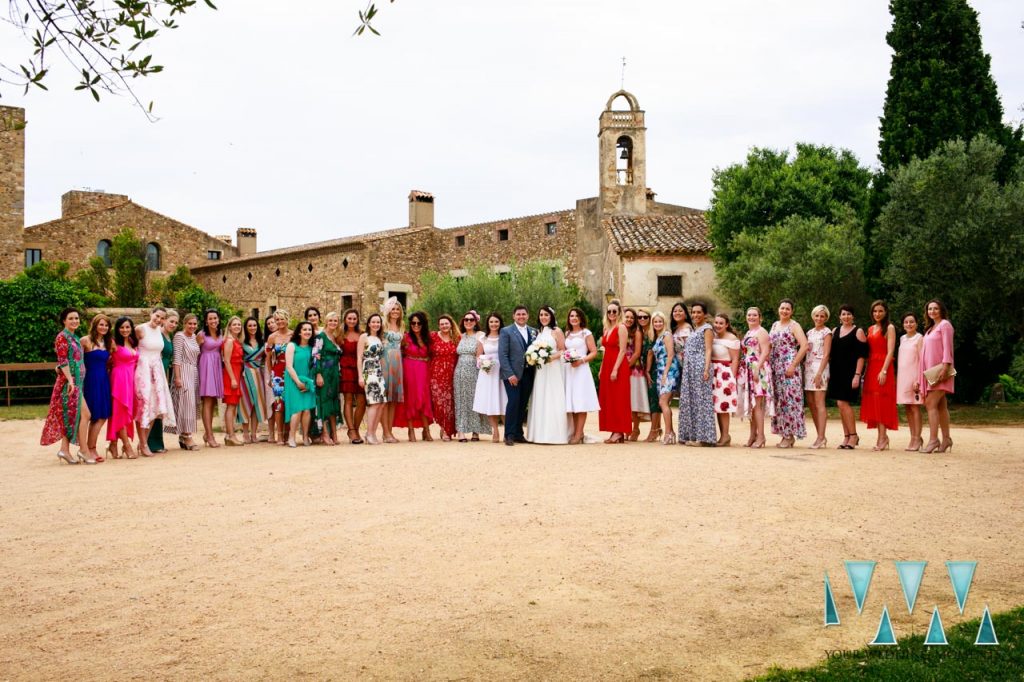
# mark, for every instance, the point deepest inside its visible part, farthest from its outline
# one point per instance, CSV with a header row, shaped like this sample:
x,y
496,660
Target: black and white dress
x,y
466,420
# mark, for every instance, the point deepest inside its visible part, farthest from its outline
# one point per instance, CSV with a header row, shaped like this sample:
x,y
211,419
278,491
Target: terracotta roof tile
x,y
658,233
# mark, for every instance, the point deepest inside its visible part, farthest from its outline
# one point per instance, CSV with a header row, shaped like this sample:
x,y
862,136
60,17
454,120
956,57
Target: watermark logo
x,y
911,575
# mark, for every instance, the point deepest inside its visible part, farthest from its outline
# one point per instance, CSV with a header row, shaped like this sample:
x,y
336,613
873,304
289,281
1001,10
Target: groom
x,y
515,373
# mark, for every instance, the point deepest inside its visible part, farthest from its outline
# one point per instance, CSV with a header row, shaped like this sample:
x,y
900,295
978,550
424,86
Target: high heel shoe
x,y
113,453
947,445
669,439
750,442
66,456
634,435
654,436
845,445
758,443
932,446
881,446
818,444
786,442
853,444
615,438
82,459
724,443
913,447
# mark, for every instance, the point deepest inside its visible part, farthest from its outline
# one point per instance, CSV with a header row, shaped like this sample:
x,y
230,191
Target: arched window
x,y
152,256
624,160
103,251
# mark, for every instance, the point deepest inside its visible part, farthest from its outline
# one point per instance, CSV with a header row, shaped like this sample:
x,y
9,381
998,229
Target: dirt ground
x,y
480,561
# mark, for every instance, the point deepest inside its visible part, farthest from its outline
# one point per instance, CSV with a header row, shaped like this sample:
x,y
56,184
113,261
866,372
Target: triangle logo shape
x,y
961,574
986,631
859,573
910,574
936,634
885,636
831,612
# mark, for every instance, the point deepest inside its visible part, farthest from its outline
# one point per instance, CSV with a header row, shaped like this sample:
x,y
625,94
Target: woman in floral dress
x,y
643,319
444,354
68,411
789,345
277,345
327,368
725,354
665,371
756,394
391,364
369,355
467,421
696,401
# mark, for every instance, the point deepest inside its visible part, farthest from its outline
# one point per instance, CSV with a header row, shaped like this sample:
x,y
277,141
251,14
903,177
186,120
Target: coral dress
x,y
878,401
152,394
415,409
614,396
937,349
122,389
442,381
66,399
908,370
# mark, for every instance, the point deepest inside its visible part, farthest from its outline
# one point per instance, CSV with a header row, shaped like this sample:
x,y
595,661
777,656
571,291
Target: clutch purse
x,y
932,374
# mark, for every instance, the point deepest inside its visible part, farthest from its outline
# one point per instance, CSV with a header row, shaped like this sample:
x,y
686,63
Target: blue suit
x,y
512,362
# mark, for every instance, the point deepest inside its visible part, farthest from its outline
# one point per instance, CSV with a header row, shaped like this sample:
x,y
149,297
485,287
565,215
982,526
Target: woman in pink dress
x,y
415,409
908,378
152,394
211,373
878,399
123,360
937,350
755,384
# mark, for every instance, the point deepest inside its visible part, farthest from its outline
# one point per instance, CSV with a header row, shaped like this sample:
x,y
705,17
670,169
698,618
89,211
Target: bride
x,y
547,421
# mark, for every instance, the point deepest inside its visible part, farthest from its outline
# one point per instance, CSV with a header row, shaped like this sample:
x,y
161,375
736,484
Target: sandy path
x,y
470,561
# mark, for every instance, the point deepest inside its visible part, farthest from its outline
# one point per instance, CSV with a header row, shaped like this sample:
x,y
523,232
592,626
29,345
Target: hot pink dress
x,y
415,407
937,349
122,390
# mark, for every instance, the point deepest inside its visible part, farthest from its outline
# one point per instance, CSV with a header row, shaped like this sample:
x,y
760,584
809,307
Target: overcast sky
x,y
273,117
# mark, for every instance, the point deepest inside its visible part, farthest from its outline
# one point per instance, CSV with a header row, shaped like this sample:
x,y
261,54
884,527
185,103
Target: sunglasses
x,y
415,323
469,319
643,317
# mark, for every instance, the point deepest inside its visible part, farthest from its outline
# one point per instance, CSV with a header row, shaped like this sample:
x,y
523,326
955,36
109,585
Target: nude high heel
x,y
66,456
947,445
931,447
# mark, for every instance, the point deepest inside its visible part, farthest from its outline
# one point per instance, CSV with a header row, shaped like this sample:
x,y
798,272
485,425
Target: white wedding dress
x,y
547,420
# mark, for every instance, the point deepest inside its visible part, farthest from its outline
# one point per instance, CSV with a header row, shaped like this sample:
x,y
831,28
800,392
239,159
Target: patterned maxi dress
x,y
788,420
391,367
66,399
652,385
442,379
327,363
156,434
373,374
696,403
754,385
671,380
254,393
467,420
277,375
185,397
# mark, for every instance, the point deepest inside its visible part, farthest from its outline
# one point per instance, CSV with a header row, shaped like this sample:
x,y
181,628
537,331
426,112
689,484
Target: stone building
x,y
621,243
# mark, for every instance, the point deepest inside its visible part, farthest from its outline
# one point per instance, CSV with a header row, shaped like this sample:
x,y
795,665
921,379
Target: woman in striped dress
x,y
252,410
185,384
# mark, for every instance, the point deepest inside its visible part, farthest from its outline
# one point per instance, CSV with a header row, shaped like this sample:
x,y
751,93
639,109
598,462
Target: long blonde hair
x,y
650,327
227,329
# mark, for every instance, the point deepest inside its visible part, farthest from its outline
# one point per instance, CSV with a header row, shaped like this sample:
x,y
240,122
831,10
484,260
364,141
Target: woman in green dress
x,y
643,318
156,433
327,365
299,387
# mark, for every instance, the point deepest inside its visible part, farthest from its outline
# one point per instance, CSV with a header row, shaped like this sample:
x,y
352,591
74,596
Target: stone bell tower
x,y
623,157
12,190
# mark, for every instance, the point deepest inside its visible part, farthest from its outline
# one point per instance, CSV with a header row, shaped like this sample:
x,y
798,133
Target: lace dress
x,y
152,395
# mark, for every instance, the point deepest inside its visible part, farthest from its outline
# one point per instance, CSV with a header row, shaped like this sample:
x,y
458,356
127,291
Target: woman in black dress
x,y
846,367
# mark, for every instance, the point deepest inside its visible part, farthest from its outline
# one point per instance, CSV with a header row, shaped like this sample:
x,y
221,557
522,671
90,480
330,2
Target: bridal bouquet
x,y
571,356
539,353
484,363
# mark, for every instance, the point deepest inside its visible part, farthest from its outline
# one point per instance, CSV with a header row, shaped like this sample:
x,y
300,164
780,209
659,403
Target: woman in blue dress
x,y
696,402
666,373
96,389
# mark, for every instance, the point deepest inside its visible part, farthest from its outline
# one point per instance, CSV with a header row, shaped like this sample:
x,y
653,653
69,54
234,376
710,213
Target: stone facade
x,y
12,190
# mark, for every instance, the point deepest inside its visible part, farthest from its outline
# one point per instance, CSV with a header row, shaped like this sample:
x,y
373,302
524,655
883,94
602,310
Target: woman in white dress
x,y
580,393
546,422
489,399
819,348
152,394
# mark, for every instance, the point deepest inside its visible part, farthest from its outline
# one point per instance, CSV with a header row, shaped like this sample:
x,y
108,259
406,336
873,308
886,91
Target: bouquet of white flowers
x,y
484,363
539,353
571,356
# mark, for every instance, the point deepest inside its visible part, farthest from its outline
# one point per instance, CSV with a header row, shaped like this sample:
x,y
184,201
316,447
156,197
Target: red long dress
x,y
415,406
233,396
613,396
442,381
878,403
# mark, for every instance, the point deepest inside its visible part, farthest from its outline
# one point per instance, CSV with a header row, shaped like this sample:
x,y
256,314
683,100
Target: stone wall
x,y
12,190
640,274
75,239
78,202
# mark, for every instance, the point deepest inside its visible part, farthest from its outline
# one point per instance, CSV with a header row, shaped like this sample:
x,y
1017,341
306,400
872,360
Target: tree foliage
x,y
105,41
809,260
183,293
128,256
953,232
818,182
96,278
532,284
32,302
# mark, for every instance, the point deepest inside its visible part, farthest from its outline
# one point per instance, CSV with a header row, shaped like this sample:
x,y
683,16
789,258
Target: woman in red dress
x,y
878,399
444,344
415,409
232,352
351,391
613,390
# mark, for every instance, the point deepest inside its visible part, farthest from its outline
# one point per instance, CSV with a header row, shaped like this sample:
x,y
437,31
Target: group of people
x,y
304,384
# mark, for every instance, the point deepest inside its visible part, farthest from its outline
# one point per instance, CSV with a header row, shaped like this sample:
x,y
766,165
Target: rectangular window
x,y
670,285
213,255
346,302
273,309
502,235
460,240
33,256
550,228
255,312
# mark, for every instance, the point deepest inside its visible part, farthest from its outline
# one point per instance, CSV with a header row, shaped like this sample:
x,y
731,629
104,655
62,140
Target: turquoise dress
x,y
660,358
296,401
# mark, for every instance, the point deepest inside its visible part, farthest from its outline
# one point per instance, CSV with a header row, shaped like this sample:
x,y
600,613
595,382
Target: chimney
x,y
226,238
77,202
421,209
245,240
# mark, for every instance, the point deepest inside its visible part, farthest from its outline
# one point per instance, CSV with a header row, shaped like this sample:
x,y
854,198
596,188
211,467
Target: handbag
x,y
932,374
